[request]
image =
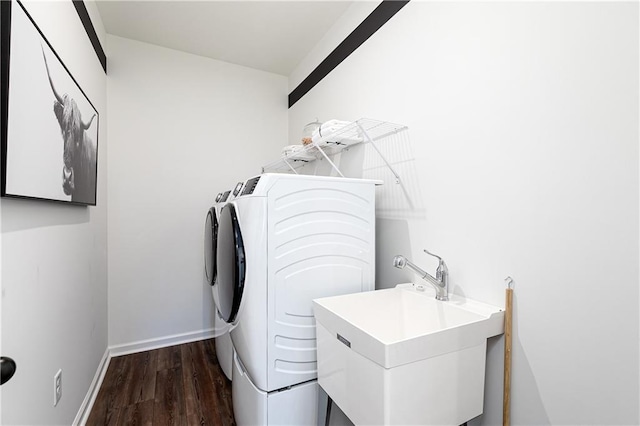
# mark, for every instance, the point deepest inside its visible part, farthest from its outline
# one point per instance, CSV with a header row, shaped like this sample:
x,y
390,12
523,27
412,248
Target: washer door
x,y
231,263
210,244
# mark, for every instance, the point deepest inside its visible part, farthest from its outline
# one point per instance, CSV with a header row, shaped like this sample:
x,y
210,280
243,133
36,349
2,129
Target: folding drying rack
x,y
363,130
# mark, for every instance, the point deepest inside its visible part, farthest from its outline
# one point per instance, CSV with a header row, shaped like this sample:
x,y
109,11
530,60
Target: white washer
x,y
282,242
224,346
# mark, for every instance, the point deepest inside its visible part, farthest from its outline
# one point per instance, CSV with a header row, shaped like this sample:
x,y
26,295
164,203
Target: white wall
x,y
344,25
182,128
54,262
524,125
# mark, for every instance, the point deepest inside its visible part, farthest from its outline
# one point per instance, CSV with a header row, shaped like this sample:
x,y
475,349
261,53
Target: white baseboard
x,y
161,342
90,398
129,348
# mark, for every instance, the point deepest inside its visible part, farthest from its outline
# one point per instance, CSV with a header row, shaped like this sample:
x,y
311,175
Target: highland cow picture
x,y
49,126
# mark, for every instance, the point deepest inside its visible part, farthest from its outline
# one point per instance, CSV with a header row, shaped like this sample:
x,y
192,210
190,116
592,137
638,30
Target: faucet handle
x,y
442,266
434,255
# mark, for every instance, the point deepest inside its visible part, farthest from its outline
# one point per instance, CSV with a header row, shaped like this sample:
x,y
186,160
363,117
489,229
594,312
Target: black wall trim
x,y
366,29
91,32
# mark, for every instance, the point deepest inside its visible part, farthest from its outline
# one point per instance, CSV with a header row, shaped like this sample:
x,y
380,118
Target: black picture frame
x,y
49,128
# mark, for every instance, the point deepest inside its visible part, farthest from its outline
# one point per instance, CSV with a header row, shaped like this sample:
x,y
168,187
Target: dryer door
x,y
231,263
210,237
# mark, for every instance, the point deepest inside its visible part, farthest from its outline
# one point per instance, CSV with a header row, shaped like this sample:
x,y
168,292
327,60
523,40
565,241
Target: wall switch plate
x,y
57,387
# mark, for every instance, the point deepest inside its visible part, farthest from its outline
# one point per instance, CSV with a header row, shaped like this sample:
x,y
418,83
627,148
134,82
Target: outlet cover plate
x,y
57,387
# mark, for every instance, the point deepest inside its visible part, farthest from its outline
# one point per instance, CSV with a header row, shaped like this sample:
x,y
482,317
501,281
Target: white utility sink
x,y
399,356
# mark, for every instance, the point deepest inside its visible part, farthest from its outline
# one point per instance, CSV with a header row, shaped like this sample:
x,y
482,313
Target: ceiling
x,y
271,36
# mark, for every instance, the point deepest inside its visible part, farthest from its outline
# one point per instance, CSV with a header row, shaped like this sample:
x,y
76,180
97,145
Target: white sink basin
x,y
401,325
381,353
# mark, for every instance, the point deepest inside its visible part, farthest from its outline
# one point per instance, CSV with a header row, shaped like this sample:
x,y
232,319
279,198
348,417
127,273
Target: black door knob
x,y
7,369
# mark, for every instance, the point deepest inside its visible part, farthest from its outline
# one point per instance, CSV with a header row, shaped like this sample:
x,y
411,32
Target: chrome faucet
x,y
441,280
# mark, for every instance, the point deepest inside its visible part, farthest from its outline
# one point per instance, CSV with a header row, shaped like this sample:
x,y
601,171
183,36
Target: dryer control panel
x,y
250,186
237,189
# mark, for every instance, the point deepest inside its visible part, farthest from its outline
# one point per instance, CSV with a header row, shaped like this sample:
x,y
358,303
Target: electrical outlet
x,y
57,387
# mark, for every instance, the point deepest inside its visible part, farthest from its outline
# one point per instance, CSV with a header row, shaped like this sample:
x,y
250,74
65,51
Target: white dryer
x,y
282,242
224,346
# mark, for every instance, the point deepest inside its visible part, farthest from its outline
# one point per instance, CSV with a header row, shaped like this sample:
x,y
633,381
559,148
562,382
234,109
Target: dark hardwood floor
x,y
177,385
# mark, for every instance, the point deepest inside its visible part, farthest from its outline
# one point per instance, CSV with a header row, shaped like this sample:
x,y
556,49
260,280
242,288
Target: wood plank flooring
x,y
177,385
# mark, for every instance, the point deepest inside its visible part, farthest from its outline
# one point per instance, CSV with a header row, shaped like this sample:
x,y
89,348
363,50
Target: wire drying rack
x,y
364,130
382,153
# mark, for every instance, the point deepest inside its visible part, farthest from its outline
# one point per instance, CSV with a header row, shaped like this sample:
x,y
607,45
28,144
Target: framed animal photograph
x,y
49,129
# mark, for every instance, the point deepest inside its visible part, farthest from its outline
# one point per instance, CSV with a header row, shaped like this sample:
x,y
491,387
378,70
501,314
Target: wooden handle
x,y
506,402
